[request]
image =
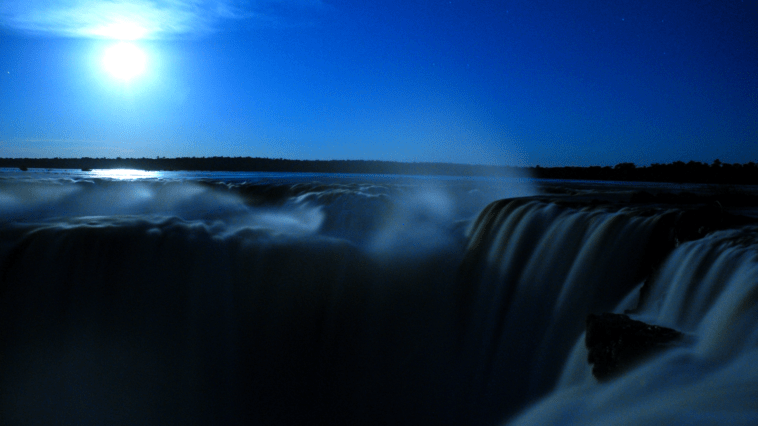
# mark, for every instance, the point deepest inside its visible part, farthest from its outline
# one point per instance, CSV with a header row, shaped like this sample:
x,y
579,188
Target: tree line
x,y
677,172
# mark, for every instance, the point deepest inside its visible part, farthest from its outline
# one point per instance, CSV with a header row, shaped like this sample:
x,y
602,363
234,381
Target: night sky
x,y
521,83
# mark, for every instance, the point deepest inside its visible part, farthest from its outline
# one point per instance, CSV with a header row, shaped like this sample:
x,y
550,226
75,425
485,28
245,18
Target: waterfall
x,y
707,289
533,272
373,303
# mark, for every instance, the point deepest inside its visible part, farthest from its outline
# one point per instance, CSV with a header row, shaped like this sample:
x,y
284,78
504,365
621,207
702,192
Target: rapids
x,y
347,300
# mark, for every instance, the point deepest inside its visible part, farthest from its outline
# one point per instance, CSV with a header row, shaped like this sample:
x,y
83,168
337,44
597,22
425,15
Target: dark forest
x,y
677,172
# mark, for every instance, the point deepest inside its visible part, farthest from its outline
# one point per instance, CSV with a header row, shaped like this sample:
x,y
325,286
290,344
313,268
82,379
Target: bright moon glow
x,y
124,61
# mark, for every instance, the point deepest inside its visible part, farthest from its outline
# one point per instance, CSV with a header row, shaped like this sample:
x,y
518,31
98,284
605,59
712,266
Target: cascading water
x,y
171,302
707,289
533,272
354,303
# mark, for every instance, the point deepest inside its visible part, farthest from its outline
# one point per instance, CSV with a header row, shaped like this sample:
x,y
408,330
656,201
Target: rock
x,y
643,197
617,342
695,224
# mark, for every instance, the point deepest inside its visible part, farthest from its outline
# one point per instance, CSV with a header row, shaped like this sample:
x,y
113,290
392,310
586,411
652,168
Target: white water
x,y
537,270
709,290
350,301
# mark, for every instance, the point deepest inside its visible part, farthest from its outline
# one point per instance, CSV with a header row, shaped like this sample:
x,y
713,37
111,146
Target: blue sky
x,y
504,82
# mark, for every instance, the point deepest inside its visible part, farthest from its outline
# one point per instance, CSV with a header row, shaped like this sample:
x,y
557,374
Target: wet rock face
x,y
617,342
695,224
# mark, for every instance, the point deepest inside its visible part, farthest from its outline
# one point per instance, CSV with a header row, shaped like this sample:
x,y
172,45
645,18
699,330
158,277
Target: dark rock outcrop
x,y
617,342
642,197
695,224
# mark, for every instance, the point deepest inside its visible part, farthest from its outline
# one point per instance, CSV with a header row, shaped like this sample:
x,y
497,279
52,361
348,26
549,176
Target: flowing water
x,y
207,298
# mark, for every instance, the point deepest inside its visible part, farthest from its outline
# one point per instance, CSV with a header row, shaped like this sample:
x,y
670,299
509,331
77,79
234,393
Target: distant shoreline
x,y
677,172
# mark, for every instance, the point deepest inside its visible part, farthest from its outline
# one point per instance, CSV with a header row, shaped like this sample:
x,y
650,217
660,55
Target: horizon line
x,y
536,166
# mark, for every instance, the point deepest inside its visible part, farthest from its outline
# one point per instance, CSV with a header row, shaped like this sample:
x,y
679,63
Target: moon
x,y
124,61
